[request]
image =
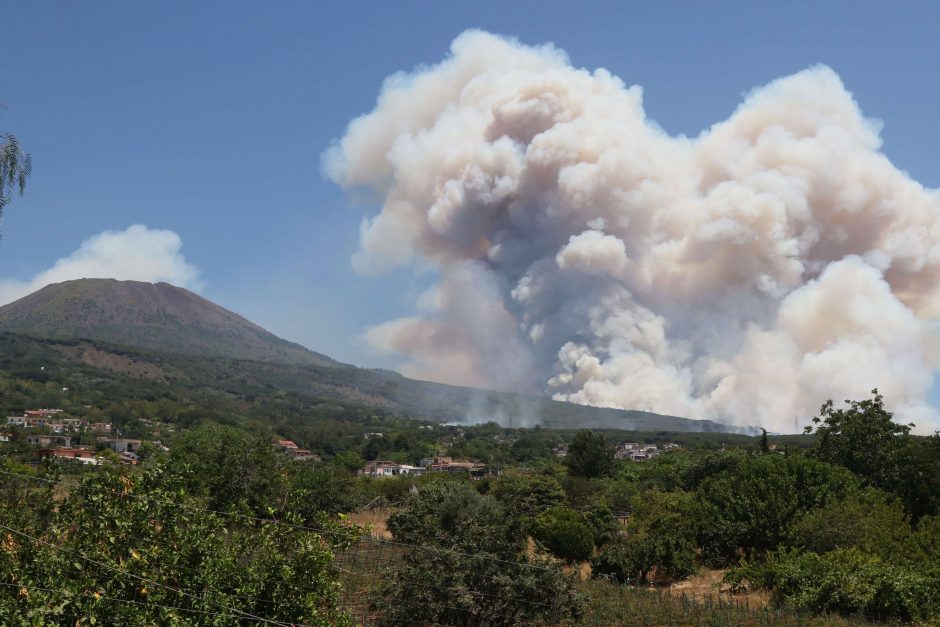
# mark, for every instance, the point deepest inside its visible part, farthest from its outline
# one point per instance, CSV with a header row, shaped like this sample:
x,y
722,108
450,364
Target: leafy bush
x,y
115,548
231,467
867,520
470,565
660,540
749,507
527,496
844,581
565,533
603,523
589,456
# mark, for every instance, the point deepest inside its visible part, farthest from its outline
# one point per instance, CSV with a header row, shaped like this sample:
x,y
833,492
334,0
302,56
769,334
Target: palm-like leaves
x,y
15,167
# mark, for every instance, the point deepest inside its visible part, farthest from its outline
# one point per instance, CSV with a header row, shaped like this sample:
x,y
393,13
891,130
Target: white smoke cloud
x,y
137,253
746,275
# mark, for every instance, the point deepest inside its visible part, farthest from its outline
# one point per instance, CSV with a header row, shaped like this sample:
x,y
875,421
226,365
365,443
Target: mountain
x,y
119,331
150,316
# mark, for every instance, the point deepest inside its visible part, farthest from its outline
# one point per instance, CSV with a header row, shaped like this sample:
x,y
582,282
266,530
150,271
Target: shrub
x,y
603,523
660,540
844,581
867,520
589,456
468,565
748,508
527,496
565,533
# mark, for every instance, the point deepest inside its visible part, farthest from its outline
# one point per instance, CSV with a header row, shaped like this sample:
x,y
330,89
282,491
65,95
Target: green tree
x,y
660,538
565,533
868,520
749,507
317,489
15,167
232,467
919,487
845,581
527,496
589,456
124,549
864,438
467,564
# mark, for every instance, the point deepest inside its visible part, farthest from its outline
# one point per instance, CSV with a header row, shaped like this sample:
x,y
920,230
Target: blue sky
x,y
209,119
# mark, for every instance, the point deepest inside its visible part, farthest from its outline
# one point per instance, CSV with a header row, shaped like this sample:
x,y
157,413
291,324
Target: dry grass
x,y
706,584
375,520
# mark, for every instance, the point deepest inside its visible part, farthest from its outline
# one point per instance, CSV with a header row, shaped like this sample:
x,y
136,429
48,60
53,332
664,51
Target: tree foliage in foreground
x,y
660,539
15,167
470,566
123,549
865,438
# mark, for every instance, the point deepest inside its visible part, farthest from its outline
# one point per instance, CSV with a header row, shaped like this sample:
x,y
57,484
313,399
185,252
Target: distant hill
x,y
168,336
150,316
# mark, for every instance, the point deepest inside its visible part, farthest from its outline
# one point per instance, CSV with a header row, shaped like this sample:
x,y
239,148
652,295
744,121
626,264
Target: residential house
x,y
284,445
42,413
627,450
5,437
41,439
121,445
100,427
447,464
561,450
303,455
16,421
82,454
381,468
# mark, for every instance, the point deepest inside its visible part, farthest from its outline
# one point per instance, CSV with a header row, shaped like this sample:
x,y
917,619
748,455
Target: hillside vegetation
x,y
170,336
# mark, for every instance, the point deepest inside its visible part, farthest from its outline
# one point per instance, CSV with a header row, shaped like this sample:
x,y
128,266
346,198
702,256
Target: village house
x,y
5,437
120,445
380,468
41,439
290,448
637,452
80,454
448,464
303,455
100,427
42,413
561,450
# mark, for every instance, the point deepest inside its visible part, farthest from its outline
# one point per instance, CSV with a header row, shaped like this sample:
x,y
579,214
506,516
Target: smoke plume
x,y
746,275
